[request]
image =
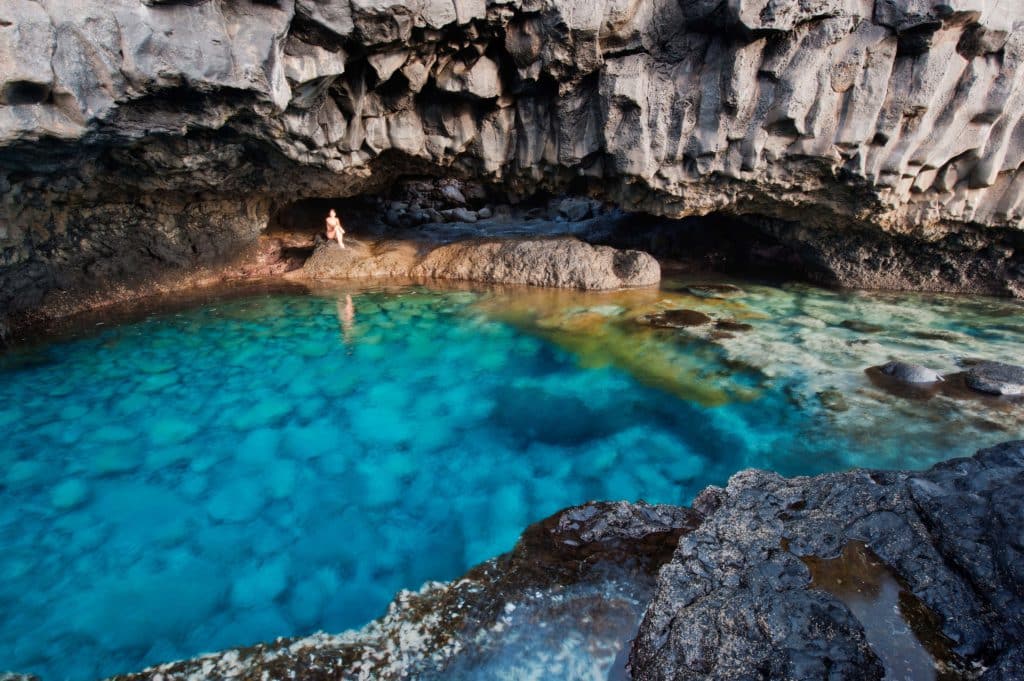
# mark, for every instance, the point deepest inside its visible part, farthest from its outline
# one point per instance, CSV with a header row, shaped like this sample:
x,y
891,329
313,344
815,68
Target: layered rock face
x,y
858,575
124,121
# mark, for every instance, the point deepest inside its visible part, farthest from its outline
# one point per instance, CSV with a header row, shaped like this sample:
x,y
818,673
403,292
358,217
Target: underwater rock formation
x,y
754,588
140,135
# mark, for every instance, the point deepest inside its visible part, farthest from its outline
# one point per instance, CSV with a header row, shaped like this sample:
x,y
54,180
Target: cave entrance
x,y
306,217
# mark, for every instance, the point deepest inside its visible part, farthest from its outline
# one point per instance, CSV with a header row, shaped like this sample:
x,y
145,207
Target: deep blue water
x,y
275,465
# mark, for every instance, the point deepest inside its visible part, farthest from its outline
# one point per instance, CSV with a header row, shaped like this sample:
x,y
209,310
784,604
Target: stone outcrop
x,y
559,262
768,578
735,598
145,134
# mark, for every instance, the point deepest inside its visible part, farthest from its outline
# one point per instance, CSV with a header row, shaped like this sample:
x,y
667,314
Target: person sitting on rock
x,y
334,228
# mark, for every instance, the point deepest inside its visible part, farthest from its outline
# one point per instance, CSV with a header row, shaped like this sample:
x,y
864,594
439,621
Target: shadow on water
x,y
904,633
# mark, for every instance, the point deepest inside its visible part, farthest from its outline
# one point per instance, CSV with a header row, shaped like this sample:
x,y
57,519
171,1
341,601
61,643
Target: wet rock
x,y
801,578
861,327
833,400
676,319
910,373
996,378
584,572
738,595
732,325
714,290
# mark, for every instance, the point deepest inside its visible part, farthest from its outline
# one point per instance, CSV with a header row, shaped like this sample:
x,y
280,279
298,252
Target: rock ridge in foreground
x,y
743,590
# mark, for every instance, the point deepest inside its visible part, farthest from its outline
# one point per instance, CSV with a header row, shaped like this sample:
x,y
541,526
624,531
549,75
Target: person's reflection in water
x,y
347,317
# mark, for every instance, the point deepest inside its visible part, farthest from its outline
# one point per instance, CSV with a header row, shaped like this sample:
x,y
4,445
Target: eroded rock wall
x,y
892,115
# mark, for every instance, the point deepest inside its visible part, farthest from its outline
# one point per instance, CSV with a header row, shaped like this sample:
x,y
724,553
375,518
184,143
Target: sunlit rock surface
x,y
144,135
556,262
861,574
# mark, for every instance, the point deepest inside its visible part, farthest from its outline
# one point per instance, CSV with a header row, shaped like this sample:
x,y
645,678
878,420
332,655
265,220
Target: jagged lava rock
x,y
735,599
128,146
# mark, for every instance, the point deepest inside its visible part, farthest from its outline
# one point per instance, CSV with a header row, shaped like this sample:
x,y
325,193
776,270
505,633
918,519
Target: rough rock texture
x,y
563,262
897,117
590,568
734,601
733,598
996,378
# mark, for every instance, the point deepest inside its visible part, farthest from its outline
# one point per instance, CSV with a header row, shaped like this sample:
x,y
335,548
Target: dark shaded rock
x,y
996,378
675,319
861,327
732,325
737,600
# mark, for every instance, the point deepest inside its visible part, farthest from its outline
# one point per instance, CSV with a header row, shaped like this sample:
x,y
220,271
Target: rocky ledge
x,y
857,575
561,262
139,135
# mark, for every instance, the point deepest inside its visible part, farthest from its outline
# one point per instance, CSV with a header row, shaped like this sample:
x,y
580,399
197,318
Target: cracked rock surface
x,y
146,134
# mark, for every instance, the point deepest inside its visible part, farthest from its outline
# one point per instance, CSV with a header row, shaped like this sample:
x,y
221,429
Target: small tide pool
x,y
278,464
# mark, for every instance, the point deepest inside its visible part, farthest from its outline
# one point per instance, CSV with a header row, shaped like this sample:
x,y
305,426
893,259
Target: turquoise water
x,y
279,464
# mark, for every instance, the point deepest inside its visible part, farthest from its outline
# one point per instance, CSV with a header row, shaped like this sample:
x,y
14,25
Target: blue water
x,y
279,464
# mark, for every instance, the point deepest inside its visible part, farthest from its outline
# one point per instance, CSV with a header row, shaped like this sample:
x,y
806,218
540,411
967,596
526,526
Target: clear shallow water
x,y
276,465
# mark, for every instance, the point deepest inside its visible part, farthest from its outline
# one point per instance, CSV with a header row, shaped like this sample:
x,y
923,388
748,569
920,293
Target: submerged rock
x,y
803,578
911,373
860,326
584,574
714,290
676,319
996,378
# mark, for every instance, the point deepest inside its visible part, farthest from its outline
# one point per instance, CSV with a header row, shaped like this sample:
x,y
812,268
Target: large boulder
x,y
563,262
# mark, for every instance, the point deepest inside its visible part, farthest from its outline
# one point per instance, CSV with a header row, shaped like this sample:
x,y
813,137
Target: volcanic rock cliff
x,y
141,134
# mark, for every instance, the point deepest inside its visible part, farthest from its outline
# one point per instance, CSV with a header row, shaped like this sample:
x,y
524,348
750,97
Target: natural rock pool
x,y
282,463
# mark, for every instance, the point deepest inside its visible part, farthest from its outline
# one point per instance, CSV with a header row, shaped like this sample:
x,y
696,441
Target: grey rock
x,y
996,378
460,215
737,596
883,133
911,373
